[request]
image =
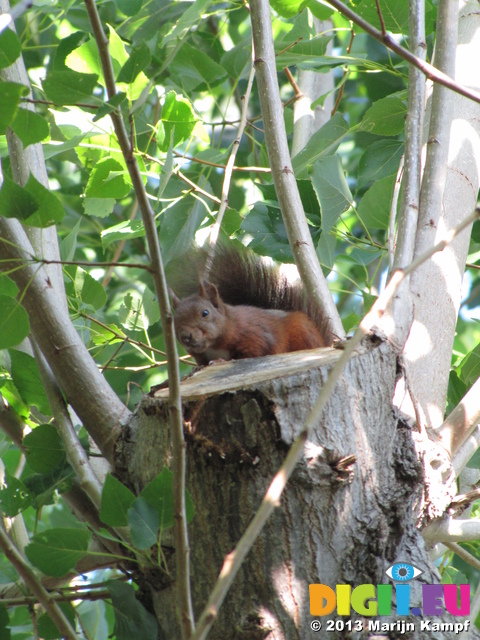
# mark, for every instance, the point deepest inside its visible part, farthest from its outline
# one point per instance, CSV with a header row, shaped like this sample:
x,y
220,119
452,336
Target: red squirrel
x,y
246,309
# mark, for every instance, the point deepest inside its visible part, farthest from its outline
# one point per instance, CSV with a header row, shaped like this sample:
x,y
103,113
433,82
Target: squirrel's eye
x,y
205,313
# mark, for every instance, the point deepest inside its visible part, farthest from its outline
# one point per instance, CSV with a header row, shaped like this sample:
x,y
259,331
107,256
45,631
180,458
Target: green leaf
x,y
179,225
117,50
188,19
305,52
386,117
47,629
139,59
98,207
265,224
332,190
374,207
125,230
8,286
132,620
110,105
10,48
30,127
69,243
108,180
14,496
69,87
159,495
85,59
43,486
456,388
394,14
380,159
144,522
49,208
131,313
43,448
81,286
26,377
15,201
116,501
14,323
289,8
129,7
150,306
196,69
93,616
10,94
470,367
177,116
56,551
320,10
324,142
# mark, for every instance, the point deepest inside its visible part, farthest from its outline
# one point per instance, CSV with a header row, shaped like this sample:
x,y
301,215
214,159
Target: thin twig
x,y
291,79
380,17
207,163
33,583
183,177
215,231
182,554
234,560
342,82
427,69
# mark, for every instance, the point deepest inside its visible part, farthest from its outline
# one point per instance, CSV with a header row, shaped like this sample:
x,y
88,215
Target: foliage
x,y
181,69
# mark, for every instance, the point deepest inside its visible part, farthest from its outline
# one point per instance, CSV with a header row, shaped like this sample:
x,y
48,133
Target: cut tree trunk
x,y
334,525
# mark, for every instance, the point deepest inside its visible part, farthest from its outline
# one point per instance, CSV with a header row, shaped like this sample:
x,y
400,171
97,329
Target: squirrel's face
x,y
198,323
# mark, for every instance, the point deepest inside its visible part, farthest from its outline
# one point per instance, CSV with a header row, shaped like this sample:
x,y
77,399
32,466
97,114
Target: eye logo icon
x,y
403,572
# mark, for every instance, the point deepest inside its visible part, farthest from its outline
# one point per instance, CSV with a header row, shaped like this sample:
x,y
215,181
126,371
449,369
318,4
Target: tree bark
x,y
335,525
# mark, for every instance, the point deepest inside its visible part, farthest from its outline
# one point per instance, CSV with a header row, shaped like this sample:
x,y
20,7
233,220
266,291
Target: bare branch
x,y
283,177
449,530
215,231
408,214
462,420
431,72
466,451
175,406
99,408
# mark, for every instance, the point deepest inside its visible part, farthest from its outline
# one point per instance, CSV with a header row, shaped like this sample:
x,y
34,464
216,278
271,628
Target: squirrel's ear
x,y
175,299
210,292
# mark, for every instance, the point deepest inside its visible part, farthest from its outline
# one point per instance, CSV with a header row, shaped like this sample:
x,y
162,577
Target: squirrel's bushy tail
x,y
244,278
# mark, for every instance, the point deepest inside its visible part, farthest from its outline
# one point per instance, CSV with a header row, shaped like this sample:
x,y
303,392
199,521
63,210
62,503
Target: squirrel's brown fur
x,y
245,309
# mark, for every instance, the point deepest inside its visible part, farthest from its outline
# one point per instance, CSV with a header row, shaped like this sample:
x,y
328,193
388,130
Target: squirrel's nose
x,y
185,337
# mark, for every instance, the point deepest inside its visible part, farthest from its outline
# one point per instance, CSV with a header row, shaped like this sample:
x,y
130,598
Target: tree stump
x,y
333,526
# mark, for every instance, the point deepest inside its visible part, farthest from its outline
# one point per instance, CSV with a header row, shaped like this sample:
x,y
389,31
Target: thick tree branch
x,y
466,450
280,162
462,420
76,454
411,178
449,530
31,160
175,406
99,408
